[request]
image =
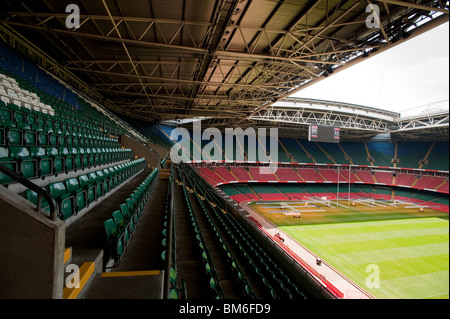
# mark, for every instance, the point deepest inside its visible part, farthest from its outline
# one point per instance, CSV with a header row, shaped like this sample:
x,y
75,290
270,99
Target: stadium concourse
x,y
108,189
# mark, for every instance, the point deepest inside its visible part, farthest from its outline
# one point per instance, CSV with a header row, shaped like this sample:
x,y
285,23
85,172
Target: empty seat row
x,y
22,134
17,128
214,283
11,92
33,162
73,109
76,193
123,222
277,283
173,276
30,115
231,260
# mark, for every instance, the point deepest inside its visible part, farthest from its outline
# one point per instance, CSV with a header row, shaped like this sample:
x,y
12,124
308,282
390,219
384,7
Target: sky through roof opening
x,y
411,78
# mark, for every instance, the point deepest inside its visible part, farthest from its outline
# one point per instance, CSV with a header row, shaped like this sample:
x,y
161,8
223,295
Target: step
x,y
165,174
145,284
67,255
85,274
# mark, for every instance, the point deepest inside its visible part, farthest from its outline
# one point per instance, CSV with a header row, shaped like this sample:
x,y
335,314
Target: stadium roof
x,y
229,61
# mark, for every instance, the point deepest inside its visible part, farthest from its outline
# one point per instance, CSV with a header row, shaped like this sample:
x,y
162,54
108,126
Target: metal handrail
x,y
169,231
39,191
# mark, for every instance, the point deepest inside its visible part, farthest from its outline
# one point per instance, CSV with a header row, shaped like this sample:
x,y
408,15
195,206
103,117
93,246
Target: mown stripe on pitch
x,y
365,245
404,253
421,286
376,234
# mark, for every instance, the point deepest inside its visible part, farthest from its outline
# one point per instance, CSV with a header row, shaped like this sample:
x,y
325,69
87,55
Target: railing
x,y
38,190
169,247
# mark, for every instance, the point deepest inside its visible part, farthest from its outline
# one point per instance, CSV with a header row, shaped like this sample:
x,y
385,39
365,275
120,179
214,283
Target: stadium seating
x,y
383,177
268,192
325,174
263,174
429,182
333,176
356,152
288,174
317,153
444,187
276,283
411,154
365,176
77,193
310,174
241,173
225,173
123,222
405,179
425,155
438,158
242,193
210,175
381,154
48,139
293,148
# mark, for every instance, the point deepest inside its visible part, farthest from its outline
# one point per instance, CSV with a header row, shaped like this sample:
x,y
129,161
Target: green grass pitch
x,y
410,248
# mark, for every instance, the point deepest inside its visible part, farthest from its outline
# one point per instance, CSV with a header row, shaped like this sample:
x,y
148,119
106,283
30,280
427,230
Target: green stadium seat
x,y
26,164
128,216
114,244
69,139
79,141
13,133
49,122
30,137
173,277
5,112
44,163
173,295
101,156
114,179
3,126
42,136
107,179
84,157
18,114
90,158
33,198
77,158
95,154
132,206
96,181
88,187
40,120
79,194
53,137
68,159
58,160
122,226
32,118
103,180
57,126
64,200
9,162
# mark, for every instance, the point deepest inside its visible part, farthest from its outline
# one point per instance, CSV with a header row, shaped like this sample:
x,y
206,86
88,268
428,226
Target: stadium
x,y
155,150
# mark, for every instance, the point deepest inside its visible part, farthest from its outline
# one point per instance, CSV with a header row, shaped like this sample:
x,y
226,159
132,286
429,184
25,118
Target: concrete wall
x,y
31,250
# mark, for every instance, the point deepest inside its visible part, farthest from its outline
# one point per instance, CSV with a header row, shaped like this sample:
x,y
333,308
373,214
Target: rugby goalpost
x,y
349,187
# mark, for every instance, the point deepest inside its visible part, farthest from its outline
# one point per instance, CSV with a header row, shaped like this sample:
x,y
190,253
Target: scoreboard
x,y
325,134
